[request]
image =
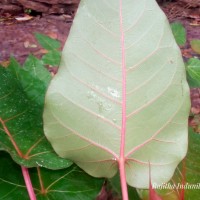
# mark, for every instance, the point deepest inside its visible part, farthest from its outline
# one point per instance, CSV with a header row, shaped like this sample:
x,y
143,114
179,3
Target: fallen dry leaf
x,y
5,63
24,18
27,44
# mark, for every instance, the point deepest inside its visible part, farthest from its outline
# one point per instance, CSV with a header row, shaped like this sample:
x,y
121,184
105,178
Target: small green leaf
x,y
52,58
71,183
179,33
21,128
195,44
193,72
33,77
47,42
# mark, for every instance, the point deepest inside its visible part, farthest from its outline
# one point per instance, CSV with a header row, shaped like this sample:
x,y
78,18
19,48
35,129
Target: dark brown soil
x,y
17,30
17,38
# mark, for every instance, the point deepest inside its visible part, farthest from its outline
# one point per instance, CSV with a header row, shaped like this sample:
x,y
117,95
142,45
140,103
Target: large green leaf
x,y
120,95
21,127
71,183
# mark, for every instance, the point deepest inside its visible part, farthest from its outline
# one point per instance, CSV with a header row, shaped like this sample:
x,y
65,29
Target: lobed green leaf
x,y
21,127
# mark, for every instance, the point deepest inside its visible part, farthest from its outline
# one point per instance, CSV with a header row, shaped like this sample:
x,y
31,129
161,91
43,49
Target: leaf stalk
x,y
28,183
123,179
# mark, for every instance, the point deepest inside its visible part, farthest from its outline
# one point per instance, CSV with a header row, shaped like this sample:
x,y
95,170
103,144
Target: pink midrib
x,y
123,128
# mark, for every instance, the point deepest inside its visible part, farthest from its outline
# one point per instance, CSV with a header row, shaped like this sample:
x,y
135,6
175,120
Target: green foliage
x,y
193,64
192,166
71,183
193,72
22,91
28,11
53,56
47,42
179,33
33,78
21,128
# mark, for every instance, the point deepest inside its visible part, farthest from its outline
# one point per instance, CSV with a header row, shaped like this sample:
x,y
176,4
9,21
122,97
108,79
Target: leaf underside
x,y
186,177
90,107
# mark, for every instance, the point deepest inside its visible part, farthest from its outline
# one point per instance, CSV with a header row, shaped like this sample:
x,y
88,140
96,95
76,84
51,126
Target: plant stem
x,y
28,183
123,179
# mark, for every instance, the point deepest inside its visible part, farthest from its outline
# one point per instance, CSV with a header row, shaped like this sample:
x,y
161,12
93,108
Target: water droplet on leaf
x,y
113,92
